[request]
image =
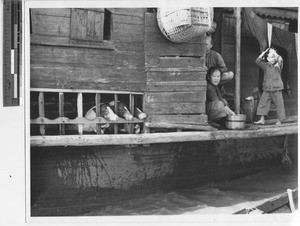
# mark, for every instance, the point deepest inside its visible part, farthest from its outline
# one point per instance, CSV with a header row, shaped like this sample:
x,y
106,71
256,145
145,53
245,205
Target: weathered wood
x,y
179,126
173,87
98,102
49,40
82,91
81,56
229,23
61,111
81,77
177,69
60,12
132,12
87,24
158,76
80,111
89,44
183,119
58,41
175,108
116,128
80,120
175,97
50,25
153,34
128,19
165,49
173,62
85,140
42,111
237,97
88,66
63,82
177,83
129,33
131,109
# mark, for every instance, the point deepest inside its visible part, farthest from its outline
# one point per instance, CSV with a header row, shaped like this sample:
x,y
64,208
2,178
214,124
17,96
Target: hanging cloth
x,y
261,31
270,26
257,27
296,43
286,40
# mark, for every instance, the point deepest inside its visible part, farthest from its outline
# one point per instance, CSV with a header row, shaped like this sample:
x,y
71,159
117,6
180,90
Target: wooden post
x,y
98,101
61,111
42,111
237,98
79,112
291,200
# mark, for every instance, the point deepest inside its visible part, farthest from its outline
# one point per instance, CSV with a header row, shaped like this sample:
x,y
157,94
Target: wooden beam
x,y
179,126
147,138
46,90
80,120
237,98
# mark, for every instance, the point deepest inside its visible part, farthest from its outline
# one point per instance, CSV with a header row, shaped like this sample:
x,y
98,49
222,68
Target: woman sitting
x,y
216,106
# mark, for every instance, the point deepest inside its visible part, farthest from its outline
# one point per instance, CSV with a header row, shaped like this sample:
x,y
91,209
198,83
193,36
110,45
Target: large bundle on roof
x,y
184,24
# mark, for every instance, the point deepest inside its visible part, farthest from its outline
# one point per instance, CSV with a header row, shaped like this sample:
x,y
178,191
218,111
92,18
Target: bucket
x,y
235,121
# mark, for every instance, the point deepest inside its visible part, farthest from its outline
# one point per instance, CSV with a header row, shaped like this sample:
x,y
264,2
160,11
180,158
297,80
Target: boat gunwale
x,y
166,137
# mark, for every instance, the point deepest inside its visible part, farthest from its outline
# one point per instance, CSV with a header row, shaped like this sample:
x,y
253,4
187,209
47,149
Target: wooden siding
x,y
116,64
175,77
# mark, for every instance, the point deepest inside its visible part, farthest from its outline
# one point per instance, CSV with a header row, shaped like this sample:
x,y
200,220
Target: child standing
x,y
216,106
271,63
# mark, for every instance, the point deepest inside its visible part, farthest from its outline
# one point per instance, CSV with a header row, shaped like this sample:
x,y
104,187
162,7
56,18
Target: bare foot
x,y
278,123
260,122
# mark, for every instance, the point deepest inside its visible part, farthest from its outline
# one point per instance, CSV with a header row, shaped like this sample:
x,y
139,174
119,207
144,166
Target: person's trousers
x,y
265,102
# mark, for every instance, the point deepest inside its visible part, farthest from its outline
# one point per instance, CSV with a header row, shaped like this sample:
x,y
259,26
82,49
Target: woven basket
x,y
182,25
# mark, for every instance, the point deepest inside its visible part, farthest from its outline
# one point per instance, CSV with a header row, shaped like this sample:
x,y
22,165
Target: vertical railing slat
x,y
131,109
42,111
145,128
61,102
98,101
80,112
116,111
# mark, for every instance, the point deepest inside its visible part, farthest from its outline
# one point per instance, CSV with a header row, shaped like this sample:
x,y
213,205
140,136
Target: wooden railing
x,y
80,120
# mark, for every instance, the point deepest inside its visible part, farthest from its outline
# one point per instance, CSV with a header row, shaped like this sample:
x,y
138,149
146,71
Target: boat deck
x,y
251,131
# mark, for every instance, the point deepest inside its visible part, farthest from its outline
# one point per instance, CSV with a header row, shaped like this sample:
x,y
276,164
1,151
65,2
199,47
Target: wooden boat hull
x,y
157,166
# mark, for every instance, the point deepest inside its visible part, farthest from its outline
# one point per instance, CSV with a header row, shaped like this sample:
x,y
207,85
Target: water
x,y
222,198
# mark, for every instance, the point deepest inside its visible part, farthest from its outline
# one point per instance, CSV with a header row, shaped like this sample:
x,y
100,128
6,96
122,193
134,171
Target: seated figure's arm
x,y
221,63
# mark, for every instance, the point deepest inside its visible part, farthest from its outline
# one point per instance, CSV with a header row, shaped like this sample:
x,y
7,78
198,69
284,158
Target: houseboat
x,y
84,57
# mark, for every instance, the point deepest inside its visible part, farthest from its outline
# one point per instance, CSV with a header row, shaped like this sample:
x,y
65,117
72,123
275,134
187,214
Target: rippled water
x,y
222,198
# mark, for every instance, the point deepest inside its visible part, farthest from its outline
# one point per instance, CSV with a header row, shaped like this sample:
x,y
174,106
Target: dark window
x,y
107,25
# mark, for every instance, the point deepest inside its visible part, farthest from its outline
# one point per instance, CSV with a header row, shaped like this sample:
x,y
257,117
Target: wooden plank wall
x,y
115,64
176,83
